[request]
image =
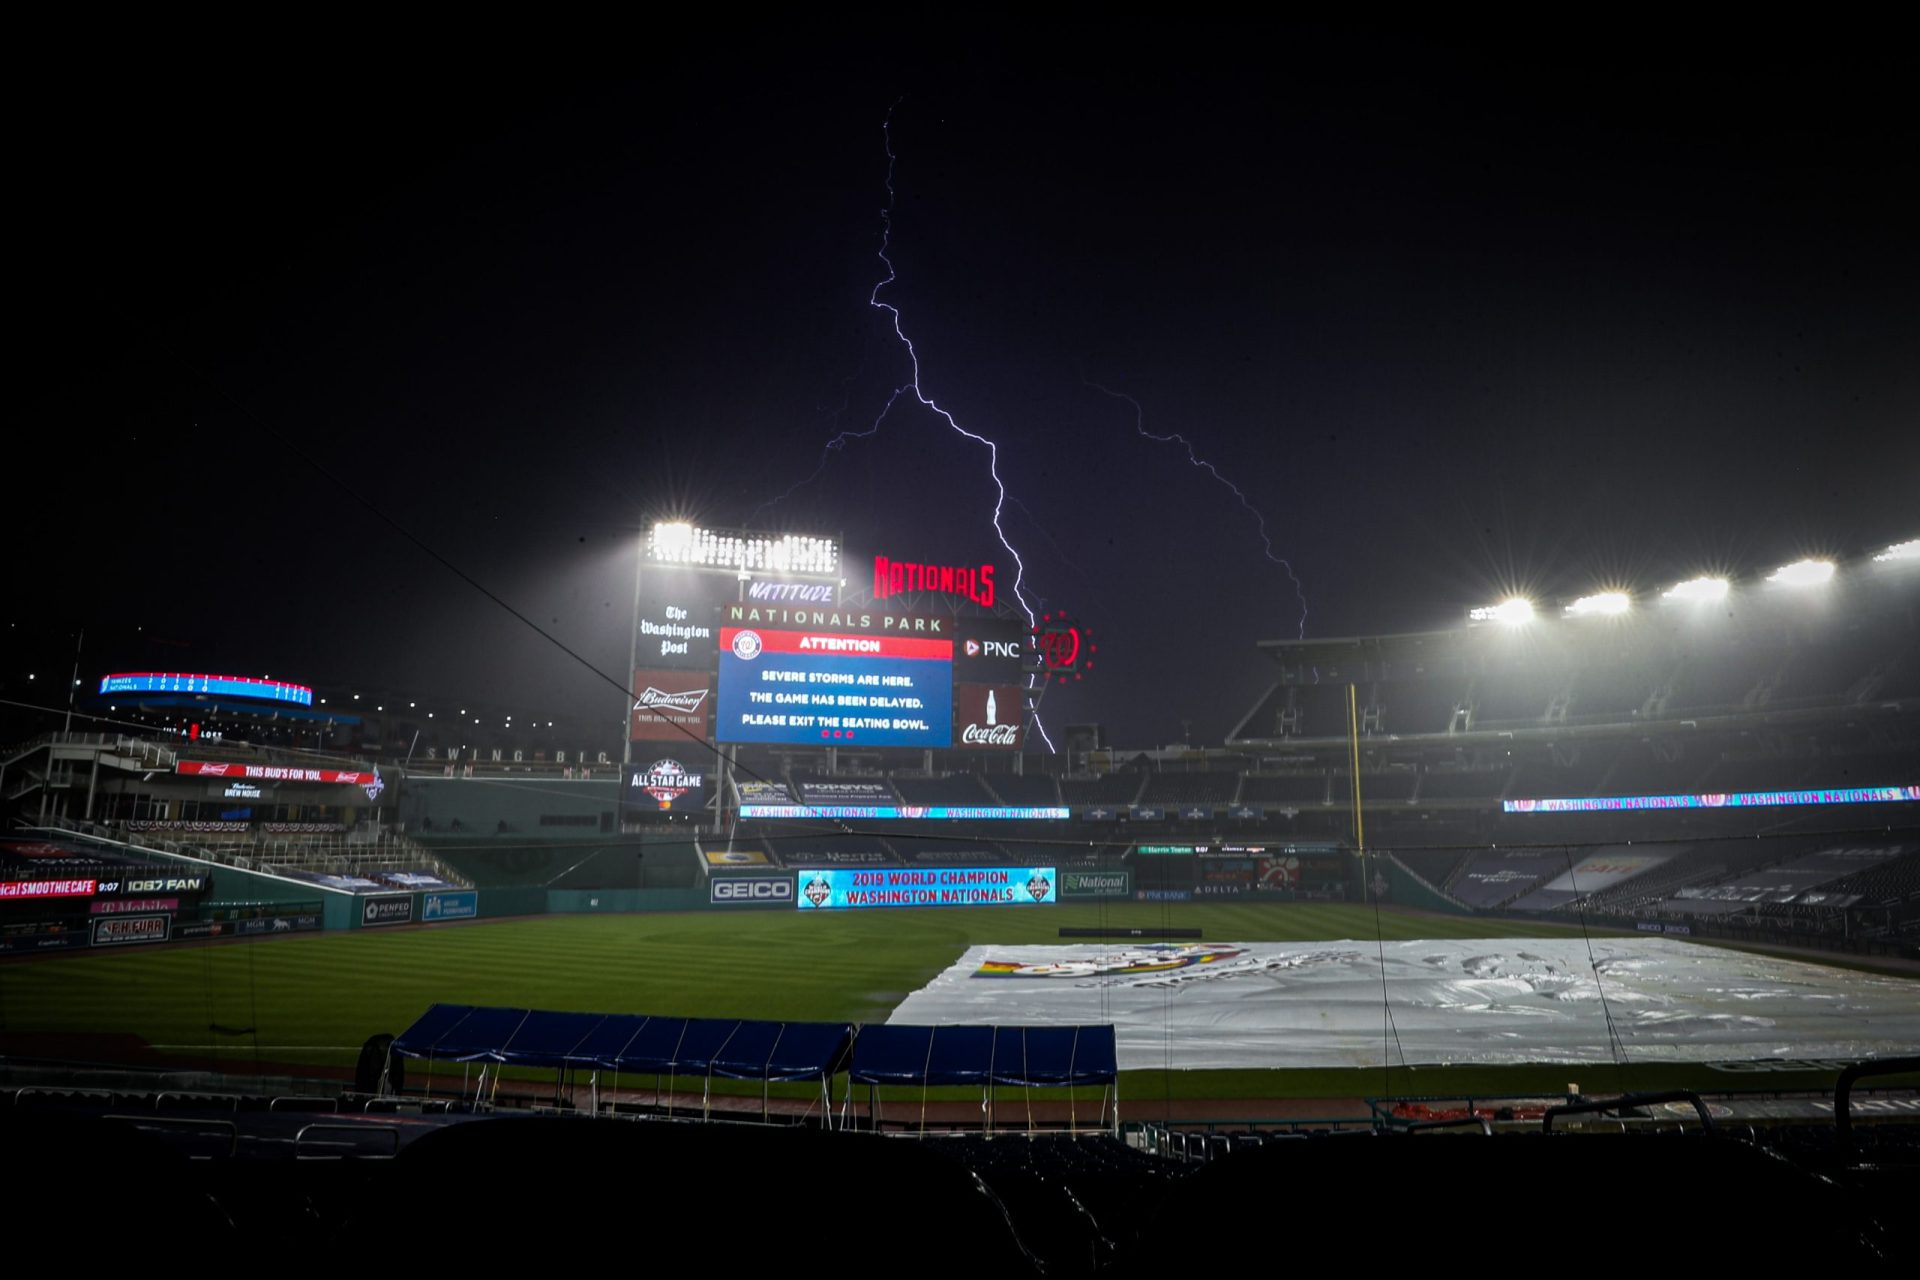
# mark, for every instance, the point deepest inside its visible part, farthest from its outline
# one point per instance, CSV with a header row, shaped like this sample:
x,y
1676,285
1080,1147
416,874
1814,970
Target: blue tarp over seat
x,y
1038,1056
478,1035
728,1047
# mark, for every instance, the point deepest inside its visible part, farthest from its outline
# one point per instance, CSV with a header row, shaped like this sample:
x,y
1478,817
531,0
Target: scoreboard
x,y
877,688
141,682
846,676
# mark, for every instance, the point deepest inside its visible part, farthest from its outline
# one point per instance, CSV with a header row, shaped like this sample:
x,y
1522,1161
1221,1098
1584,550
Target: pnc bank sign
x,y
970,581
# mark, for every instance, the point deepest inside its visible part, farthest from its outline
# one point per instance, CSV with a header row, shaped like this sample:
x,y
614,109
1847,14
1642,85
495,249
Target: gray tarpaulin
x,y
1505,1000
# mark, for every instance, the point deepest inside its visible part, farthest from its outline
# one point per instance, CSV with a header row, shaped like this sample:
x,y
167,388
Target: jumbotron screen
x,y
876,680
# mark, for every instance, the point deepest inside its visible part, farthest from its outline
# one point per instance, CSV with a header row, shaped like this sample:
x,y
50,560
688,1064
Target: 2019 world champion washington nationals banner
x,y
927,887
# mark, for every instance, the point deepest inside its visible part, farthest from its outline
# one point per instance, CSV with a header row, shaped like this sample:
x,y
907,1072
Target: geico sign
x,y
752,889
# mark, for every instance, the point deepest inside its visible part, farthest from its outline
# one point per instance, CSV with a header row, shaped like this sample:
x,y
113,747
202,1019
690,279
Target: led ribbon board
x,y
909,812
139,682
276,772
10,889
926,887
1735,800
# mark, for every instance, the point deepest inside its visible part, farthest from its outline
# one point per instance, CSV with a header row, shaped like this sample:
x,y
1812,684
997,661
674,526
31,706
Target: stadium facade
x,y
1714,760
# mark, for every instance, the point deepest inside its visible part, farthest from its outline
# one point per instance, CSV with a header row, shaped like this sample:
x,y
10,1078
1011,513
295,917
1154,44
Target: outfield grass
x,y
313,999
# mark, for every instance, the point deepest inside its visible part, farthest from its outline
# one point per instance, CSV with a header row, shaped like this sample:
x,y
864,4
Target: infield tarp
x,y
728,1047
1045,1057
1482,1001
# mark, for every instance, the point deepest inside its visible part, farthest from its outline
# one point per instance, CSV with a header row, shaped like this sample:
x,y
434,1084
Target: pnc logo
x,y
992,649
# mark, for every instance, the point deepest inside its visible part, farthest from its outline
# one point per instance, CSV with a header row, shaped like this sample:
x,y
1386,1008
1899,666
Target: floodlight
x,y
1802,573
1512,611
679,543
672,537
1604,604
1698,589
1908,551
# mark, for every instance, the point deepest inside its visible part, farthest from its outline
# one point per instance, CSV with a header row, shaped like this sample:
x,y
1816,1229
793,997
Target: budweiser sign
x,y
672,706
687,700
989,716
273,772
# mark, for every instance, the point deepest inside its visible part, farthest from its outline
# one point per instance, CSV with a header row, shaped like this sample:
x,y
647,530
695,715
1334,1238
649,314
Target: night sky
x,y
1459,310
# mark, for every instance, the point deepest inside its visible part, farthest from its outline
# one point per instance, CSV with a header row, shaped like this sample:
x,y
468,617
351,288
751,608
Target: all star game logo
x,y
666,781
1039,887
818,890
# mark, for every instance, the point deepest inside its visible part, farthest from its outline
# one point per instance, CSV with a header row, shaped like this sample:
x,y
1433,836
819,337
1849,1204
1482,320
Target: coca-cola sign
x,y
989,717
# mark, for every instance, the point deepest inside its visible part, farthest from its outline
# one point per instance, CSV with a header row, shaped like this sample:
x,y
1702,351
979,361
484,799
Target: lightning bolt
x,y
1201,464
835,445
913,385
841,440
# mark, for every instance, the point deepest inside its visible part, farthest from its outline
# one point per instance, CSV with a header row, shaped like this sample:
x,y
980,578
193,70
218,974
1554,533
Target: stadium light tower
x,y
1513,611
1603,604
1803,573
1701,590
